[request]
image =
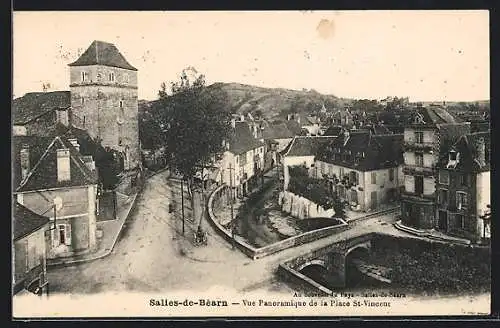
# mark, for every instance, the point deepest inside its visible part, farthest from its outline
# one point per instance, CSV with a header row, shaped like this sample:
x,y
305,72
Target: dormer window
x,y
419,119
453,158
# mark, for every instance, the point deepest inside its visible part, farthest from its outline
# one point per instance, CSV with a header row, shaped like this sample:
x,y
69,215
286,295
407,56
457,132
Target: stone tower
x,y
104,100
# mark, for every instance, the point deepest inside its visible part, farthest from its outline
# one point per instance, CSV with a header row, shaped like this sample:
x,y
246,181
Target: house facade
x,y
463,188
277,137
104,100
430,130
301,152
29,251
56,181
364,169
243,160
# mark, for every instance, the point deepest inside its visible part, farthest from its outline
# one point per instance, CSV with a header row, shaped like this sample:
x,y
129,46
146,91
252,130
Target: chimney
x,y
25,161
89,162
74,143
62,116
63,165
481,151
233,123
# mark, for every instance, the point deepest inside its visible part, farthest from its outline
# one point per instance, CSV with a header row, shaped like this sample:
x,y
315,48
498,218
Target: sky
x,y
423,55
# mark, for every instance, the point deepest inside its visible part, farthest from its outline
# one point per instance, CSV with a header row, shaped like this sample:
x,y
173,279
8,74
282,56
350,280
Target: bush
x,y
433,267
314,190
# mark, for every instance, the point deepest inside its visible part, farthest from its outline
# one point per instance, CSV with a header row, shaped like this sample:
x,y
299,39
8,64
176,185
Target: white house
x,y
302,151
243,160
364,169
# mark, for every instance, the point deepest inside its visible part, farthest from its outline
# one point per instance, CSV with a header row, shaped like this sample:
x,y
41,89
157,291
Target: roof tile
x,y
35,104
44,173
26,221
103,53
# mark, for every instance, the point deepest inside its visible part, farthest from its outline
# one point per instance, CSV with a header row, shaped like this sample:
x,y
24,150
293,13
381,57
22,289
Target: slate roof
x,y
87,145
307,145
380,129
433,115
26,221
468,160
450,133
277,131
35,104
242,139
333,130
37,146
43,174
103,53
380,151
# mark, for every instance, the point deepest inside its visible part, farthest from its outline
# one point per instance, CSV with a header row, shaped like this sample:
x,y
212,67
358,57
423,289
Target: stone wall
x,y
216,200
108,110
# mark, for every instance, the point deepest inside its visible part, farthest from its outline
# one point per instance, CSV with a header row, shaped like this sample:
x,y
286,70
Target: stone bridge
x,y
331,263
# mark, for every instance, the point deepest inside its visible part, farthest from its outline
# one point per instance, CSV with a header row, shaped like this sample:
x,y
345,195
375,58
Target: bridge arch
x,y
318,262
359,248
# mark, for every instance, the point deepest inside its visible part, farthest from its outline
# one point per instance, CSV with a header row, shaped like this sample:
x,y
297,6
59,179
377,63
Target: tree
x,y
107,167
196,125
339,208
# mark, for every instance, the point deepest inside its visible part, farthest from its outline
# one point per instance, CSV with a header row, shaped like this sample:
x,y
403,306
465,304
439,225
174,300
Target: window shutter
x,y
68,234
54,237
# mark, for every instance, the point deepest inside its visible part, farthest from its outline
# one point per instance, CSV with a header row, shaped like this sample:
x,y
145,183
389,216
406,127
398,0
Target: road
x,y
153,256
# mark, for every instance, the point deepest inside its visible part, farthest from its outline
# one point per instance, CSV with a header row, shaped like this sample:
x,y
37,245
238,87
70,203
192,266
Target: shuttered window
x,y
61,235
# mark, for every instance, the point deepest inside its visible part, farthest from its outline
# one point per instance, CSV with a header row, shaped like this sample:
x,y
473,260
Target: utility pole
x,y
182,203
232,209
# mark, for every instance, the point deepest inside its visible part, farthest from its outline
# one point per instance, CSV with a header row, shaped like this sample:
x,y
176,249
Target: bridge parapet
x,y
333,258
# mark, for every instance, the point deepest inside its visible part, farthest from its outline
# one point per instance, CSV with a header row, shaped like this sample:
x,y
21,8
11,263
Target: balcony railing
x,y
420,170
425,197
414,145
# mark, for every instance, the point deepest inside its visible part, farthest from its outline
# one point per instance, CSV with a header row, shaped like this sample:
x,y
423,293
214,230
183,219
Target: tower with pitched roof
x,y
104,100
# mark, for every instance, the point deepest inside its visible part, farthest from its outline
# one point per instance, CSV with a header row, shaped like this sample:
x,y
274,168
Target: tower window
x,y
82,100
85,76
121,103
112,76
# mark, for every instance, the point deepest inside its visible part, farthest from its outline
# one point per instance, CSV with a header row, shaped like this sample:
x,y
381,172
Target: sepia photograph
x,y
173,164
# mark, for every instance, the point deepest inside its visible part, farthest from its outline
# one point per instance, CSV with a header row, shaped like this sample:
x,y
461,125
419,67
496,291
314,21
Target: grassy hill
x,y
273,103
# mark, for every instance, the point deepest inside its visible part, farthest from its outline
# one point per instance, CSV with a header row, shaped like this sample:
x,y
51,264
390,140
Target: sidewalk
x,y
110,232
431,234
